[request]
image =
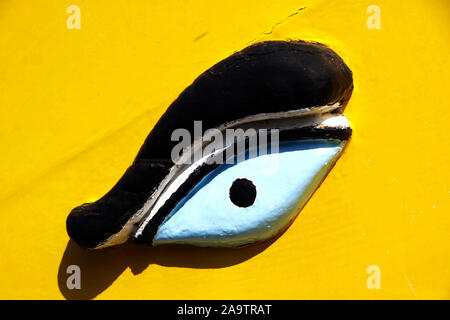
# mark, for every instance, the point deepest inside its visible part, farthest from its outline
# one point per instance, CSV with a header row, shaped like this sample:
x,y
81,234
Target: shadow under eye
x,y
100,268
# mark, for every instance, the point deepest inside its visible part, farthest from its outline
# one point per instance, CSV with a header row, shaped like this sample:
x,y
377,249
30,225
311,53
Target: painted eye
x,y
299,88
275,188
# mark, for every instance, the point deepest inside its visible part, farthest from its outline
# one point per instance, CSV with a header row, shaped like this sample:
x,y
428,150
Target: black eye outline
x,y
242,193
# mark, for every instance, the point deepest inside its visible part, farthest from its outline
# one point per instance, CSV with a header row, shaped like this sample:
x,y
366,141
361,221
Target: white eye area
x,y
252,200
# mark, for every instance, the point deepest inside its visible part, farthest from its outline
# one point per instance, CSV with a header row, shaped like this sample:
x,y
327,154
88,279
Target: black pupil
x,y
243,193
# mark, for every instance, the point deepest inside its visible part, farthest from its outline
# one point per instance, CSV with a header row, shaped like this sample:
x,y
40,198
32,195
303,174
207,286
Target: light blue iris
x,y
284,181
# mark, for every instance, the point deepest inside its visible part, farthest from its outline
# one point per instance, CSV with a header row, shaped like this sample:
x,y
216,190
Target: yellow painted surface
x,y
75,106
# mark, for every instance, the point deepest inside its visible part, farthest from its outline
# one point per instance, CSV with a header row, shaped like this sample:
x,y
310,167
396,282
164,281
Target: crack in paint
x,y
276,25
